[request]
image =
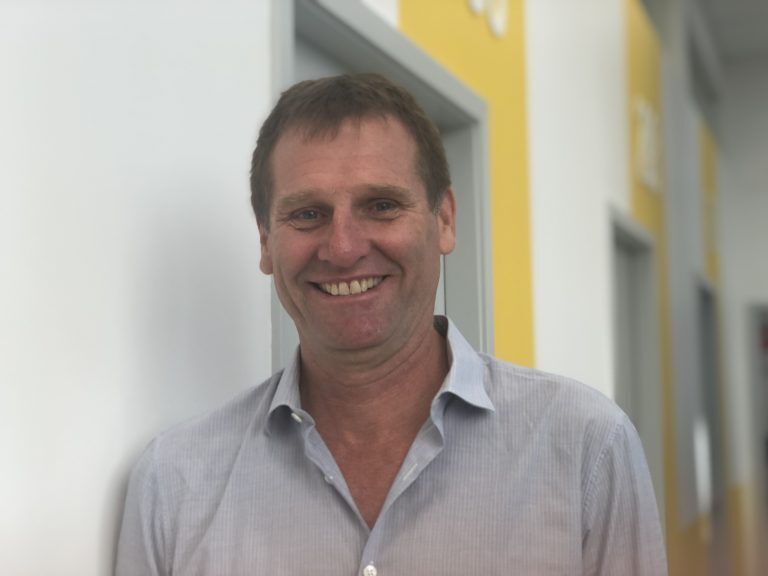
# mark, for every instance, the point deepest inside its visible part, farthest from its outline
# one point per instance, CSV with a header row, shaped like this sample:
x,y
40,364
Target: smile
x,y
350,288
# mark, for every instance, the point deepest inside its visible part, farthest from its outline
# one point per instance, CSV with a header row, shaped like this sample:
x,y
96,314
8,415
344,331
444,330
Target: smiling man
x,y
389,446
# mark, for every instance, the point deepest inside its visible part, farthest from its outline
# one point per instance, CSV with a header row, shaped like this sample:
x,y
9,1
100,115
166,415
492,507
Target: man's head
x,y
353,216
318,108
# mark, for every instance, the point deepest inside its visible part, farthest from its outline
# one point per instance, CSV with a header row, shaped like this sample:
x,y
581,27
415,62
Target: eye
x,y
383,208
383,205
306,218
310,214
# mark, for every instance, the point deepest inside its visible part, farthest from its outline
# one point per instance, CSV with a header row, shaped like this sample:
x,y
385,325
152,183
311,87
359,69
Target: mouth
x,y
351,288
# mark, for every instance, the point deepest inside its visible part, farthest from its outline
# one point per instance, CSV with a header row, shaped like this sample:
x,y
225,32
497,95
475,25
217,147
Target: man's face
x,y
353,243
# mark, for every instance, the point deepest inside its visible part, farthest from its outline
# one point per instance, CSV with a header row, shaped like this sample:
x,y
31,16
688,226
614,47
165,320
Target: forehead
x,y
369,147
384,128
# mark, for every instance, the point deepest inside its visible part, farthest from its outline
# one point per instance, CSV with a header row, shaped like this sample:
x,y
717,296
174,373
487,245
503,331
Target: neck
x,y
360,399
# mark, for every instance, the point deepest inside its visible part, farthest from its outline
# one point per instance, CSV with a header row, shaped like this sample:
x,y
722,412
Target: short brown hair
x,y
319,107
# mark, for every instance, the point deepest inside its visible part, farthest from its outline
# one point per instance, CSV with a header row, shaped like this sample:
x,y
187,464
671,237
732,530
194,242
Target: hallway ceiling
x,y
740,27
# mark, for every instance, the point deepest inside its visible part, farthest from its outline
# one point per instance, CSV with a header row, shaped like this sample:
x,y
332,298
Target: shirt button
x,y
370,570
328,478
296,417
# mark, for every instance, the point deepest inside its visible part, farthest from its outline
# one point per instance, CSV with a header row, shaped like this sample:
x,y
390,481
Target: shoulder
x,y
580,442
205,445
563,415
542,395
180,476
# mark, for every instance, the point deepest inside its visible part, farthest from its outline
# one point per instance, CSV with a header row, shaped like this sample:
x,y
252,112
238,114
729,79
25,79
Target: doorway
x,y
636,329
712,407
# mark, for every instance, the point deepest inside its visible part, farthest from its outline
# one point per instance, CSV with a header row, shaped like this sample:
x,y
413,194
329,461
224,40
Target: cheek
x,y
419,256
290,258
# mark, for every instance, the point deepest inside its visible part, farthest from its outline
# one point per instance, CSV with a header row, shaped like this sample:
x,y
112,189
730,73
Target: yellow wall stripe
x,y
708,164
494,67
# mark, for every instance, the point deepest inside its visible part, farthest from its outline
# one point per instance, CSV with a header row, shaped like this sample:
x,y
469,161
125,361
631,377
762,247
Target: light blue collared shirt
x,y
514,472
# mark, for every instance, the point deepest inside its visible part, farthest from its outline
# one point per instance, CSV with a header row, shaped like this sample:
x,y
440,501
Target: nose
x,y
346,241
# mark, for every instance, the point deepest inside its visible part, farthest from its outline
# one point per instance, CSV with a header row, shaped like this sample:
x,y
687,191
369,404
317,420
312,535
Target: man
x,y
389,446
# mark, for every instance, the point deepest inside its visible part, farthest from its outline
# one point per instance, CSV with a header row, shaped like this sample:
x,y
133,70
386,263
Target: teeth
x,y
353,287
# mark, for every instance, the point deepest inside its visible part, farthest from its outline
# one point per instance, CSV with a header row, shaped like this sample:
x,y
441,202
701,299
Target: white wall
x,y
130,294
744,244
578,168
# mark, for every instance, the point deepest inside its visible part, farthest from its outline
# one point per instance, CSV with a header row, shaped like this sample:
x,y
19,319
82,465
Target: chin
x,y
358,336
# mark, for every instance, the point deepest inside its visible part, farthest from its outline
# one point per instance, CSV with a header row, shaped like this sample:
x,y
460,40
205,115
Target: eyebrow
x,y
311,196
388,190
295,200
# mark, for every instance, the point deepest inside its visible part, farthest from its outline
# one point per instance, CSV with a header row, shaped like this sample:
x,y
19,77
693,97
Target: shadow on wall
x,y
112,515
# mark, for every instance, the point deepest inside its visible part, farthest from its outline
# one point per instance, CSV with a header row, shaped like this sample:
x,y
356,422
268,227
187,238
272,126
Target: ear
x,y
446,222
266,258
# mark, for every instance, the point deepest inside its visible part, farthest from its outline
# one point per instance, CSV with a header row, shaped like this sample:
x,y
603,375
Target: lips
x,y
350,288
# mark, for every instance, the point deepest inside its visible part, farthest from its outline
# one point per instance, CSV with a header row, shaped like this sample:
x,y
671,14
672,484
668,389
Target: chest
x,y
369,475
458,515
474,500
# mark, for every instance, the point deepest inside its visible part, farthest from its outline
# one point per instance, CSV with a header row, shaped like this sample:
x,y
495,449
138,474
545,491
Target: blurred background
x,y
617,209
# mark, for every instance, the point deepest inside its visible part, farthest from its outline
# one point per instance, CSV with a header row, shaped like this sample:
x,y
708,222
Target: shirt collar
x,y
465,378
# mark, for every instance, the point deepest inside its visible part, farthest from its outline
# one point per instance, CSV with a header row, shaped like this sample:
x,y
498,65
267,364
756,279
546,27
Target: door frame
x,y
644,388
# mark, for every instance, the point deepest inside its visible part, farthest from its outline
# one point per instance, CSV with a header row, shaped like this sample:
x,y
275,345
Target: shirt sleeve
x,y
141,546
622,532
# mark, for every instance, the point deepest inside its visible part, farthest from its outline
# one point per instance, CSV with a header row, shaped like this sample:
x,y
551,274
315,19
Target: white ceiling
x,y
740,27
